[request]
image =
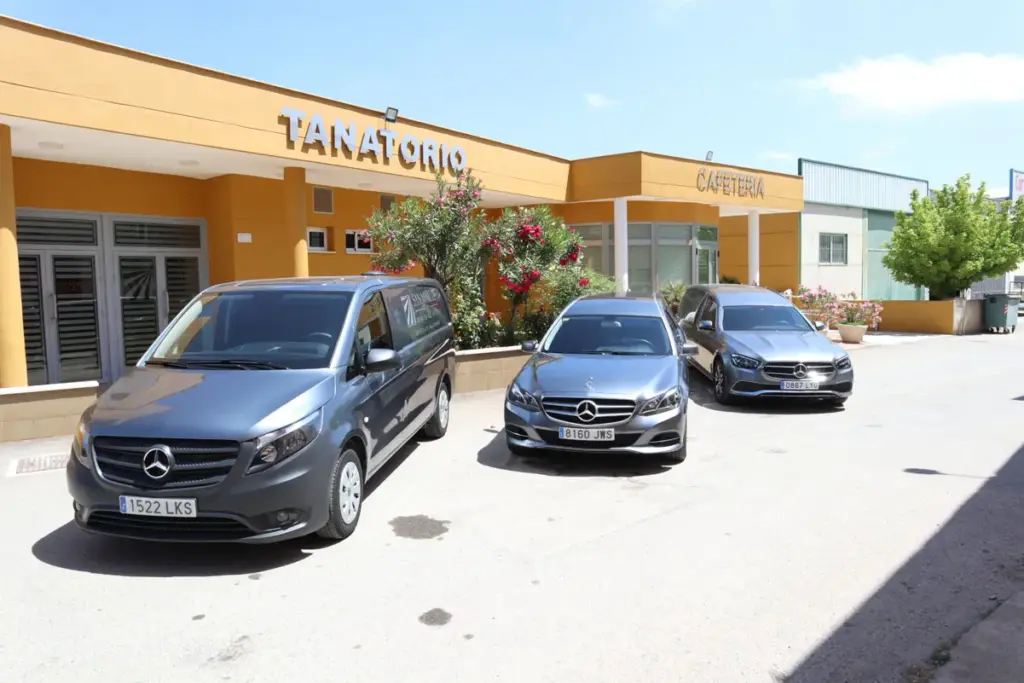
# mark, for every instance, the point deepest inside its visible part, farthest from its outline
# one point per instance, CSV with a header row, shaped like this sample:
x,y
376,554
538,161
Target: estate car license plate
x,y
800,385
158,507
586,434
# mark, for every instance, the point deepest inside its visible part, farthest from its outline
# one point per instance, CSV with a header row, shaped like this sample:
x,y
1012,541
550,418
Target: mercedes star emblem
x,y
158,462
800,371
586,411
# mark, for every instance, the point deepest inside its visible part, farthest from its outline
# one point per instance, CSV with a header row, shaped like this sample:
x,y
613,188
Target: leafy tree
x,y
442,233
956,239
529,243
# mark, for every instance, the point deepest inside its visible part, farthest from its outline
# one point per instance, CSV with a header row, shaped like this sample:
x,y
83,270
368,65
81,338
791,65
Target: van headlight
x,y
521,398
283,443
659,404
80,445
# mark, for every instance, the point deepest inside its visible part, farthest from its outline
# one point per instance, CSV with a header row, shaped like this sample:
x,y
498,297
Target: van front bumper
x,y
283,502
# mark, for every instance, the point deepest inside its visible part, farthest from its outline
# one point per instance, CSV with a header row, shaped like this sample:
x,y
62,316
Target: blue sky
x,y
929,89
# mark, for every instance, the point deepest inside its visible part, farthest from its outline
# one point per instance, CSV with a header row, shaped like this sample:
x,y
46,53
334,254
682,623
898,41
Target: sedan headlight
x,y
283,443
659,404
843,363
523,399
80,445
745,362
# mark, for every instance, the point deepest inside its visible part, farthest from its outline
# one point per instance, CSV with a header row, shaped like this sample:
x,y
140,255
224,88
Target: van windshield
x,y
266,330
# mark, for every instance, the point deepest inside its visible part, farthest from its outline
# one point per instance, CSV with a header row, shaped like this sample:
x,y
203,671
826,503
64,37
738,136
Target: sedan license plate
x,y
800,385
586,434
158,507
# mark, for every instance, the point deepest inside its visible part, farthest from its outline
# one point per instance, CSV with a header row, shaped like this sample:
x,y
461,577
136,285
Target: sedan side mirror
x,y
381,360
528,346
705,325
818,325
688,349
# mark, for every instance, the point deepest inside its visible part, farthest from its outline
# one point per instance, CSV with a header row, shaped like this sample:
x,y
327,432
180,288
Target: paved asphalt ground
x,y
798,544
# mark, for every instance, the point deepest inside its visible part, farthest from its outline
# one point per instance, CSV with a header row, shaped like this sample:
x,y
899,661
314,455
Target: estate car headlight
x,y
523,399
843,363
283,443
659,404
745,362
80,445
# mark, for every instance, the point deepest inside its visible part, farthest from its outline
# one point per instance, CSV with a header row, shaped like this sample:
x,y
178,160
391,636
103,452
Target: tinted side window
x,y
373,330
691,299
709,312
423,310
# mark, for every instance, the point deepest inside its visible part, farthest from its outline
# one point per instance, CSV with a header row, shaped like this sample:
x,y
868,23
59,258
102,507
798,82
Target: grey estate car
x,y
754,342
262,409
608,376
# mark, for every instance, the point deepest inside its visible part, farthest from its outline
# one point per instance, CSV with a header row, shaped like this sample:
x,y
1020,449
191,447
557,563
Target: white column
x,y
753,248
621,246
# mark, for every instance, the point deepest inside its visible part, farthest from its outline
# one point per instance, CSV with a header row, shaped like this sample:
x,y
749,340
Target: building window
x,y
358,243
832,249
386,202
323,200
316,239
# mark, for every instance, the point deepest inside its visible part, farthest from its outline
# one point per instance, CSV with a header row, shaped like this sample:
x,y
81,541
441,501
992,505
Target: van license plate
x,y
585,434
158,507
802,385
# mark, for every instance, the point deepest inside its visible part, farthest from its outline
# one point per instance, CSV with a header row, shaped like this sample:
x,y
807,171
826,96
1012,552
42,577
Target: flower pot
x,y
852,333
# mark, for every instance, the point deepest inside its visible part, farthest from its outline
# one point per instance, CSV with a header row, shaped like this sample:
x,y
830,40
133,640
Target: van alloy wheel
x,y
350,492
443,407
437,425
344,496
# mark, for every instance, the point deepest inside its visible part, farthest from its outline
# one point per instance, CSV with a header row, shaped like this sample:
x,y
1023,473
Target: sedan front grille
x,y
788,370
197,463
605,411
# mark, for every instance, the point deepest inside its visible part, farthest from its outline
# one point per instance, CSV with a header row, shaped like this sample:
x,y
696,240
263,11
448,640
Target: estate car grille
x,y
789,370
196,462
604,411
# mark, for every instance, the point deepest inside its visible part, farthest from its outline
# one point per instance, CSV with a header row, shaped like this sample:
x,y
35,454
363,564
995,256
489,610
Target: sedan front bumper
x,y
755,383
658,434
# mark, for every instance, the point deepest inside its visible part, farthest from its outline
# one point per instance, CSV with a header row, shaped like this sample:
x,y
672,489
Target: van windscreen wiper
x,y
235,363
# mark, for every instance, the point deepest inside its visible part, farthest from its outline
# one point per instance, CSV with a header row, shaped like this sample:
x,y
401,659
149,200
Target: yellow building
x,y
129,182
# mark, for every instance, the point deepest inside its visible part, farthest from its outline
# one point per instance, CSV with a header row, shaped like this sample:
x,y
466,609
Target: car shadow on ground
x,y
68,547
703,394
904,631
568,464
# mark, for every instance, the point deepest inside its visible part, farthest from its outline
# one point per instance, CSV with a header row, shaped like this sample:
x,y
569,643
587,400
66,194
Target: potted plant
x,y
853,317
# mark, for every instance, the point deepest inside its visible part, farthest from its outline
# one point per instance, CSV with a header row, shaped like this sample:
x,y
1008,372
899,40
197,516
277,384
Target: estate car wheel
x,y
718,379
438,424
345,497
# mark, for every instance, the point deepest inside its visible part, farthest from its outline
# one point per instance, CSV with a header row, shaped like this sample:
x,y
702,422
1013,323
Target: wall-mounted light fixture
x,y
391,114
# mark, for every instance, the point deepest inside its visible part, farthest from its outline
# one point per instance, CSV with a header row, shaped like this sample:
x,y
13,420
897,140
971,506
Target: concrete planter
x,y
852,334
487,369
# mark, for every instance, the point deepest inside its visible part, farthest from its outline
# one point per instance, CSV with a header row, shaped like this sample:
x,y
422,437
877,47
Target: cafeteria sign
x,y
730,183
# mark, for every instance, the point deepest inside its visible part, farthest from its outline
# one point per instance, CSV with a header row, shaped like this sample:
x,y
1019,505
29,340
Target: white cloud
x,y
778,156
598,100
998,192
898,84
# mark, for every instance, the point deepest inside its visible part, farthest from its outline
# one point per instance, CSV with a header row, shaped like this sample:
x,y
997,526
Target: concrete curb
x,y
992,651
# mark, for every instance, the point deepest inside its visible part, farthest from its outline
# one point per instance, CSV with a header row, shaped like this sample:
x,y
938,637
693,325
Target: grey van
x,y
262,410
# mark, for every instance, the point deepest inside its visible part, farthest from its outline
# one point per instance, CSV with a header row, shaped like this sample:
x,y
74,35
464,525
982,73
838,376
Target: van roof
x,y
340,283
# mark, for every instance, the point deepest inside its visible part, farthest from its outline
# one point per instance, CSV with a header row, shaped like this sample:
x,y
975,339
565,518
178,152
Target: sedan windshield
x,y
764,318
256,330
626,335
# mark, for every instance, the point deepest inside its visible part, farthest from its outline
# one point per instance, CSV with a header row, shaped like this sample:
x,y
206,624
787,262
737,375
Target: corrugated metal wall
x,y
844,186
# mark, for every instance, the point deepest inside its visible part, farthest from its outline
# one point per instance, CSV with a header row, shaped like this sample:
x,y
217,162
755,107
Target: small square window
x,y
386,202
832,249
316,239
323,200
357,243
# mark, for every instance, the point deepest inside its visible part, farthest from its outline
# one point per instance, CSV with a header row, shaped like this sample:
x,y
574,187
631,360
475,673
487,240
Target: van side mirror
x,y
688,318
705,325
381,360
528,346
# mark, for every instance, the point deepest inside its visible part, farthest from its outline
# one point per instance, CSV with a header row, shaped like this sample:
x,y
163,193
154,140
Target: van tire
x,y
349,468
437,426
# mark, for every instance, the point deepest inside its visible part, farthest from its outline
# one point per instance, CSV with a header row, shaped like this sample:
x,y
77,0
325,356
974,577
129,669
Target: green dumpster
x,y
1001,312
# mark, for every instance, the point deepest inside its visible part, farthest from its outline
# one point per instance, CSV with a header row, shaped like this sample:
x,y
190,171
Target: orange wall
x,y
638,212
780,252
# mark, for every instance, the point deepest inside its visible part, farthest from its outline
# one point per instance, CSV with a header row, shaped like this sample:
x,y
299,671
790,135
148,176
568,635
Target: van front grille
x,y
197,463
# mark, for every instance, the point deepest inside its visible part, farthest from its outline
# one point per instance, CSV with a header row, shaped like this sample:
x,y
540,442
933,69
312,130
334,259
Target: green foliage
x,y
672,293
561,286
529,244
442,233
959,238
468,313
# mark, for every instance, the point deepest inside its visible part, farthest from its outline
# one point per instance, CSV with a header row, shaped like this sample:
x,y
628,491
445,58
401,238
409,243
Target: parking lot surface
x,y
796,543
